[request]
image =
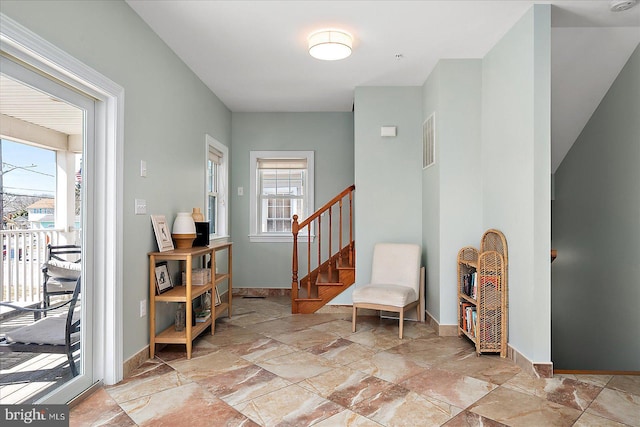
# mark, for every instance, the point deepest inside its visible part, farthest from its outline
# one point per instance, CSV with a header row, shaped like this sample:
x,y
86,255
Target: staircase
x,y
330,256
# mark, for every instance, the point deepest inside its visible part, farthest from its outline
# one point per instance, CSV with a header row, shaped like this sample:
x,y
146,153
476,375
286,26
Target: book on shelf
x,y
470,284
466,281
470,314
474,322
474,285
203,316
491,287
468,318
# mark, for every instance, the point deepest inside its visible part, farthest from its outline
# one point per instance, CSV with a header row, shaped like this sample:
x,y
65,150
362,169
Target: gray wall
x,y
431,199
516,171
388,200
596,230
329,135
451,194
167,111
493,171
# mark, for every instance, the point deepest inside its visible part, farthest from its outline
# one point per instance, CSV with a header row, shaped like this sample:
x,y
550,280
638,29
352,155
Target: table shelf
x,y
187,293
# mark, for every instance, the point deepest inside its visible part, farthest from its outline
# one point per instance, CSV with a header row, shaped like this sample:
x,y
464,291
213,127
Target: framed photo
x,y
218,300
163,278
163,235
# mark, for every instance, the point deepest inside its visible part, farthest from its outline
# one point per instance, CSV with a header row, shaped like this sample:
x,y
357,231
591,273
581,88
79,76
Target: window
x,y
281,186
216,196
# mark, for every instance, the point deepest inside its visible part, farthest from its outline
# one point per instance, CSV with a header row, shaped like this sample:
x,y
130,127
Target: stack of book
x,y
470,284
469,318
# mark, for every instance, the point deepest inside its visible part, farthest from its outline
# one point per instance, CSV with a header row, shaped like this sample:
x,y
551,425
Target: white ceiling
x,y
253,54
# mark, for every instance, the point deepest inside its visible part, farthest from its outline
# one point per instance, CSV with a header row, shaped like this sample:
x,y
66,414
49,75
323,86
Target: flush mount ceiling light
x,y
621,5
330,45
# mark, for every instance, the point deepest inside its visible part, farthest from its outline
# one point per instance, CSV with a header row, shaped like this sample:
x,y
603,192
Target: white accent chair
x,y
396,283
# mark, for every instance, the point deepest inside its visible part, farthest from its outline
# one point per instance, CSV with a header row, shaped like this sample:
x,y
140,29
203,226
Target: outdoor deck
x,y
27,377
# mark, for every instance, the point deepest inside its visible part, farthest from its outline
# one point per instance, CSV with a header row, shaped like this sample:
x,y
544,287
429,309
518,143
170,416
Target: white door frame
x,y
27,47
86,107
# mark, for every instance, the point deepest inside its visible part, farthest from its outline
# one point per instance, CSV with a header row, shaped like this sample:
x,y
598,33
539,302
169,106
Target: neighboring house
x,y
42,213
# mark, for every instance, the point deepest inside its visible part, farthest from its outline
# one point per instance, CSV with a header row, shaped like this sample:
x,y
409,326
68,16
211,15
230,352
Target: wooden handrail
x,y
316,216
326,207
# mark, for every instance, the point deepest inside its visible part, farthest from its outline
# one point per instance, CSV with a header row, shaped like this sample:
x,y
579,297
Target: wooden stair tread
x,y
325,286
343,262
325,279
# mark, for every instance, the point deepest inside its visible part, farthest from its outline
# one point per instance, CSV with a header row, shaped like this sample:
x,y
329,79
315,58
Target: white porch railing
x,y
23,253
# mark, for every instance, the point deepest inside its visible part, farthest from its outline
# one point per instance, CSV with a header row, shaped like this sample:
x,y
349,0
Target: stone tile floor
x,y
266,367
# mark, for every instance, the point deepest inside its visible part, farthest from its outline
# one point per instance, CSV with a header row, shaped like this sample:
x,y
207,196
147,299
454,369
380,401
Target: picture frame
x,y
163,235
218,301
163,278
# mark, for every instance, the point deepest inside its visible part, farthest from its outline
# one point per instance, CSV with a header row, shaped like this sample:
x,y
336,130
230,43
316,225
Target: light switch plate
x,y
143,168
240,191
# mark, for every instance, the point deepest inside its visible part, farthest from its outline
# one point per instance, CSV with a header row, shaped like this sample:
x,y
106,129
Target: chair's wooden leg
x,y
353,320
401,321
419,318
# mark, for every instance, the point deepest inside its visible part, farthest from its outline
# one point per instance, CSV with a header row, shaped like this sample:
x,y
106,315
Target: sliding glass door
x,y
48,143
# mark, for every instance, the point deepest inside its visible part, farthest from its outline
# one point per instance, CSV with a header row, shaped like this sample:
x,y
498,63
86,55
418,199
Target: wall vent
x,y
429,141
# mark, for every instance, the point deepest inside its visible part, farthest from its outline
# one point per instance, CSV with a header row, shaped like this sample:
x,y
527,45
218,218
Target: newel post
x,y
294,267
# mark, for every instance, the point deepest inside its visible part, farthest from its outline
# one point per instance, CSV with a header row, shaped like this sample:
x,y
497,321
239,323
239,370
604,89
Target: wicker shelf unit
x,y
483,294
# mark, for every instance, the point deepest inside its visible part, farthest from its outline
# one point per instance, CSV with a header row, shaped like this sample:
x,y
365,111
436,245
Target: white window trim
x,y
257,237
223,187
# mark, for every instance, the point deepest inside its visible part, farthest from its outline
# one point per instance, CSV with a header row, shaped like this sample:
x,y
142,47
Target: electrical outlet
x,y
143,308
140,207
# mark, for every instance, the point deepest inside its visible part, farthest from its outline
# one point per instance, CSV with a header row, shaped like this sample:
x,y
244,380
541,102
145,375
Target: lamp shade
x,y
330,45
184,224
